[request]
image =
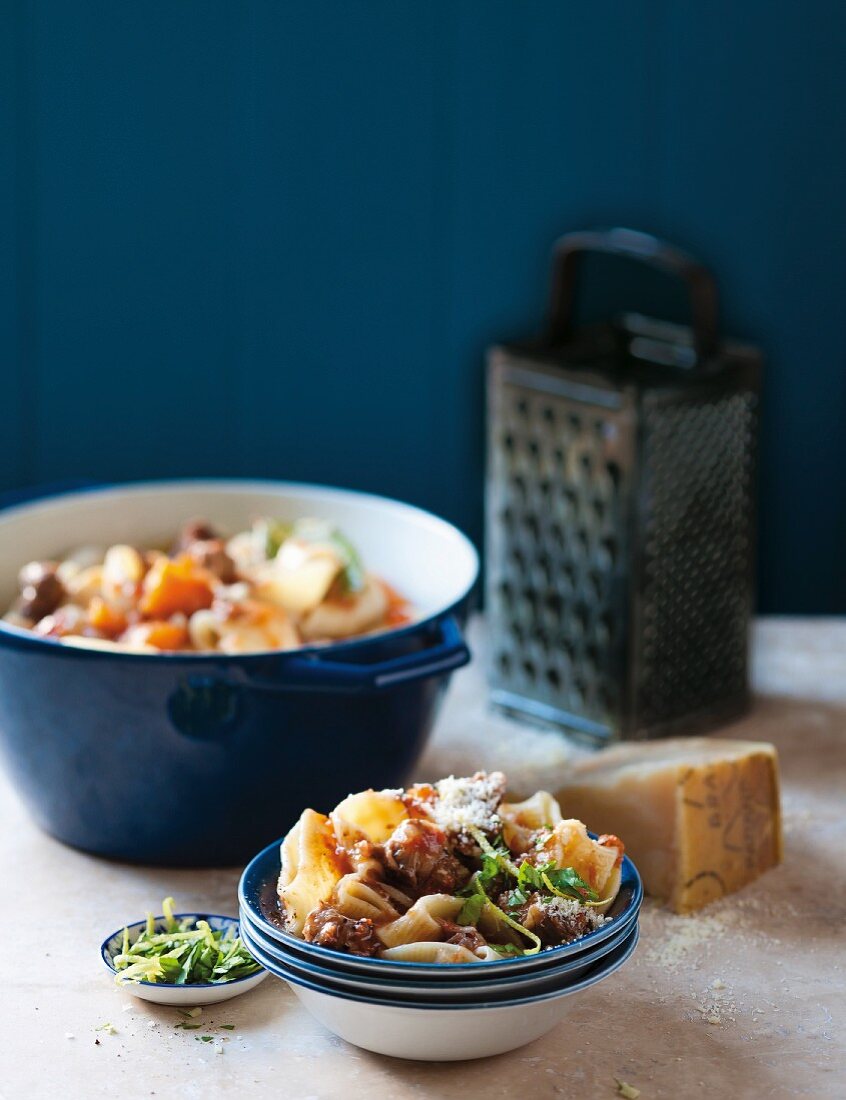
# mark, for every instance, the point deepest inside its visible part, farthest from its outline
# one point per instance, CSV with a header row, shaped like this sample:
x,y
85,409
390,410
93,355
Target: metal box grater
x,y
620,512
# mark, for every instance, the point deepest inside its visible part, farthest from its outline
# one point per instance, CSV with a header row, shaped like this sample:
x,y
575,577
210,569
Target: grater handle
x,y
636,246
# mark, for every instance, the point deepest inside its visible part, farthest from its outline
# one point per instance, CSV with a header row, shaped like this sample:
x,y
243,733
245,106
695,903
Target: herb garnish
x,y
276,533
498,869
558,881
474,908
353,574
509,950
185,953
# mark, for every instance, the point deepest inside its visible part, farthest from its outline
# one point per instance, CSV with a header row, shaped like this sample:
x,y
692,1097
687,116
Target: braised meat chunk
x,y
556,920
41,590
193,530
211,554
417,857
465,936
329,928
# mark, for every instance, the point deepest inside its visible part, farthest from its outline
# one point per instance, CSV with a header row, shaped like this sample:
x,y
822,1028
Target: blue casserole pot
x,y
198,759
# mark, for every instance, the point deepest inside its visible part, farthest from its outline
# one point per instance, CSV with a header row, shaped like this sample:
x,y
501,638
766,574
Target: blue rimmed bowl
x,y
196,759
181,996
257,899
445,1031
496,981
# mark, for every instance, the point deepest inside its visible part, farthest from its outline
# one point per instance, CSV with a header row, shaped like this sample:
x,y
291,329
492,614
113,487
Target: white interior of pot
x,y
426,559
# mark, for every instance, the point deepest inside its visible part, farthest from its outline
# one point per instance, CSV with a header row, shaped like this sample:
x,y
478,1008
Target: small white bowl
x,y
448,1033
181,996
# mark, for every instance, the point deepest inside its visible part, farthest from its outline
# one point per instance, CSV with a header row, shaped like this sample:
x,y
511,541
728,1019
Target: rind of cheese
x,y
700,817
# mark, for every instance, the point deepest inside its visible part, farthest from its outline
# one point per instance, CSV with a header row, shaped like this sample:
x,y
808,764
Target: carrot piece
x,y
177,585
398,612
104,618
161,634
395,616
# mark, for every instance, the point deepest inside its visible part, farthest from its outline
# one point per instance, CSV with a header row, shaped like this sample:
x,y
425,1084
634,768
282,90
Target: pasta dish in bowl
x,y
447,873
382,915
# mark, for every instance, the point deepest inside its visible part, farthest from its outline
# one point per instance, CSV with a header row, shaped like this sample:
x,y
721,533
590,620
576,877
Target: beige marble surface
x,y
745,1000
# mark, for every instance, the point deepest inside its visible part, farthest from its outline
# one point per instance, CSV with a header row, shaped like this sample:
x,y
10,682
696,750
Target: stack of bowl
x,y
434,1011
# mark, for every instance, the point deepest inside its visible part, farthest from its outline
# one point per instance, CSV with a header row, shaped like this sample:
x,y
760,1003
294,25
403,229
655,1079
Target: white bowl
x,y
180,996
453,1032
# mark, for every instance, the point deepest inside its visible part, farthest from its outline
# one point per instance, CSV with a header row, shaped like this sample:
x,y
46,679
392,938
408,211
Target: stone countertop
x,y
745,999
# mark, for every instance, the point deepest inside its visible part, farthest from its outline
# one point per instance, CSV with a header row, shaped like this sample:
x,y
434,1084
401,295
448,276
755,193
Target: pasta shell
x,y
421,922
426,952
375,814
310,868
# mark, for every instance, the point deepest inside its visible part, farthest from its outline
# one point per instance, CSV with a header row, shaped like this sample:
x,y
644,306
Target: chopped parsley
x,y
499,874
275,533
563,882
509,950
472,909
353,574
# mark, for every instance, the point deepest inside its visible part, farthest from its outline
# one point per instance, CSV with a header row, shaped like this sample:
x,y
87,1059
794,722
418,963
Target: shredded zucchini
x,y
184,953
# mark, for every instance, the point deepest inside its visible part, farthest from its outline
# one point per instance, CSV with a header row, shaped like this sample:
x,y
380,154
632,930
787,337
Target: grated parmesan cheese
x,y
469,802
569,907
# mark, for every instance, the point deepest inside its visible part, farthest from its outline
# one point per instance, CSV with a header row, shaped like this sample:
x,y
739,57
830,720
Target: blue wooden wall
x,y
273,238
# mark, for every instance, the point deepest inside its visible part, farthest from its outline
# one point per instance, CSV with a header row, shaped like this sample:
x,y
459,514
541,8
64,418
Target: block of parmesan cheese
x,y
699,817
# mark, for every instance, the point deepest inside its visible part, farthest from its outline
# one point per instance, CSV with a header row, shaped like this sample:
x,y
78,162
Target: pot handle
x,y
314,672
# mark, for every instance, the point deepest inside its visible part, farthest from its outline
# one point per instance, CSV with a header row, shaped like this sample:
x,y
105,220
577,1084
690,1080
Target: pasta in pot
x,y
277,586
447,873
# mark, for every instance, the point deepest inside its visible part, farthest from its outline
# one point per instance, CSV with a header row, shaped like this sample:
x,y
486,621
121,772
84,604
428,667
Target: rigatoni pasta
x,y
445,873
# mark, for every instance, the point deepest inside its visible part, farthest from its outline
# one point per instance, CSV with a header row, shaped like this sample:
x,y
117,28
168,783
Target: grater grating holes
x,y
699,463
559,506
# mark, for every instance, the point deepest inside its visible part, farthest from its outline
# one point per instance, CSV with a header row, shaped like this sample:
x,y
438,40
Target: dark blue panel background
x,y
274,239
